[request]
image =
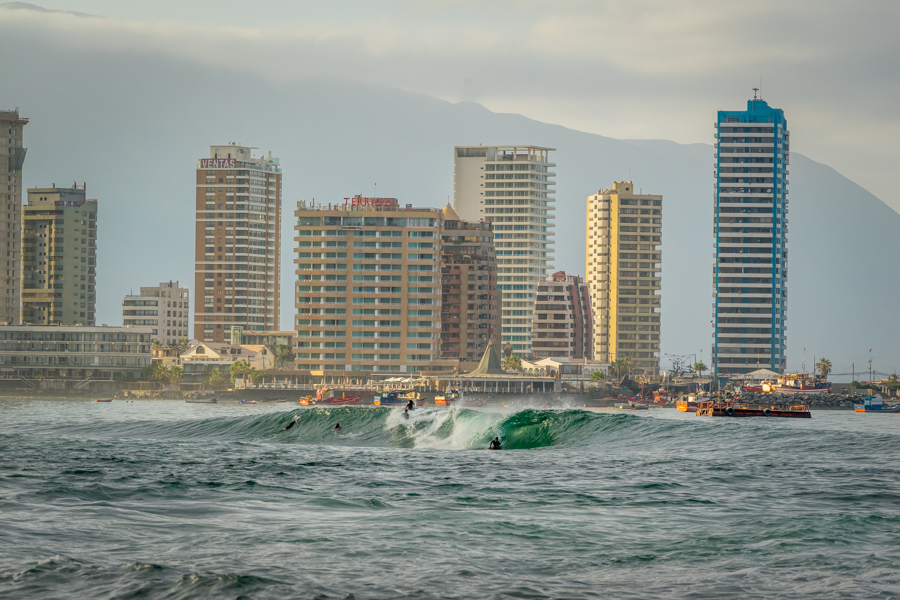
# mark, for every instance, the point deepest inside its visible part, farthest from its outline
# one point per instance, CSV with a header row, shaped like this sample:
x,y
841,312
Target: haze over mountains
x,y
133,126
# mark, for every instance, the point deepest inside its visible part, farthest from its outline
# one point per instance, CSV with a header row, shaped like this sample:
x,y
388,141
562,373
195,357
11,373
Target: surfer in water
x,y
410,405
495,444
337,428
289,425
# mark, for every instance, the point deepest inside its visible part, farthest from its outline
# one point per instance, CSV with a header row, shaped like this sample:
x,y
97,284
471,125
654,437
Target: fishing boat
x,y
396,398
202,401
791,383
715,408
448,398
103,400
634,406
690,402
876,404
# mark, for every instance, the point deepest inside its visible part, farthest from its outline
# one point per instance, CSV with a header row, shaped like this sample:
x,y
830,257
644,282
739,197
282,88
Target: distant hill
x,y
133,126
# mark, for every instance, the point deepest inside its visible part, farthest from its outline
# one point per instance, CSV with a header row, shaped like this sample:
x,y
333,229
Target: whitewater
x,y
162,499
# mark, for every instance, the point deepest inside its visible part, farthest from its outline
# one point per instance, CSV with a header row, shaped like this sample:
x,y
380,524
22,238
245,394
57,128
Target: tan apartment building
x,y
163,308
368,288
563,321
238,243
512,188
12,157
624,242
59,257
470,299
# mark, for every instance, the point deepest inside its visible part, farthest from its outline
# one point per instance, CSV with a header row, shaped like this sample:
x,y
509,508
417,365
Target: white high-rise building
x,y
164,308
511,187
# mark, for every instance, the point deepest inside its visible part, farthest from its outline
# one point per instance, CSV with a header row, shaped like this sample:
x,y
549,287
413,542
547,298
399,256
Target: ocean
x,y
168,500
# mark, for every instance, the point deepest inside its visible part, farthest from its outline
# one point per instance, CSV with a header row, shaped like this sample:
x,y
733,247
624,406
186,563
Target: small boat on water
x,y
731,408
875,404
690,402
634,406
395,398
448,398
102,400
202,401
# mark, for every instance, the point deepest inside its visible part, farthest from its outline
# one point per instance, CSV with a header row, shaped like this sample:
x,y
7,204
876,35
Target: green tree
x,y
239,368
175,375
282,355
508,349
824,367
512,363
700,367
156,346
622,366
598,375
217,377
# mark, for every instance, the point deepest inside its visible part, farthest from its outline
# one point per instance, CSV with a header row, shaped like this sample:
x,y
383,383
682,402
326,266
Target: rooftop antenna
x,y
754,92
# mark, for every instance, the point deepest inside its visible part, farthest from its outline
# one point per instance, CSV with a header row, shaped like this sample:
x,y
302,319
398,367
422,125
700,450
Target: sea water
x,y
163,499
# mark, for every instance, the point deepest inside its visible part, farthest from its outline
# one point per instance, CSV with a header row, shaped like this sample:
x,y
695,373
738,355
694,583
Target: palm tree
x,y
824,367
700,367
156,346
598,375
239,368
217,377
512,363
621,365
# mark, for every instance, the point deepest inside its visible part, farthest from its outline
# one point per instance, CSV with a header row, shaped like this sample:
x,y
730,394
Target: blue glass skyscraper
x,y
750,271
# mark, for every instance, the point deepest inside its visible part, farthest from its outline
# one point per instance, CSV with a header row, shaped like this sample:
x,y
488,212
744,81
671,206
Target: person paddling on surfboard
x,y
495,444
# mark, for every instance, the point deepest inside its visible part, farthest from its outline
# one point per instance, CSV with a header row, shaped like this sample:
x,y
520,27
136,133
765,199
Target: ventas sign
x,y
218,163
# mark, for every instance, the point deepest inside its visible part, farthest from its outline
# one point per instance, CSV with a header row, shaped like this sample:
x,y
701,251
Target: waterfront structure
x,y
201,359
470,299
563,321
163,308
59,257
750,269
512,188
624,254
75,352
238,241
12,157
368,288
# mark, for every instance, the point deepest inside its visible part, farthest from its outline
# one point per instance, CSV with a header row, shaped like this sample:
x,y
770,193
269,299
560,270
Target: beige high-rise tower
x,y
624,240
511,187
12,156
238,243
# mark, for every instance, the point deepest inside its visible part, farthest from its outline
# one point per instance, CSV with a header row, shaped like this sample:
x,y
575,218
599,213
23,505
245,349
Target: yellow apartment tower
x,y
624,241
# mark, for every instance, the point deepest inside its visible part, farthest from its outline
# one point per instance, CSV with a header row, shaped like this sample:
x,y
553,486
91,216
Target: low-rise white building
x,y
202,358
163,308
81,352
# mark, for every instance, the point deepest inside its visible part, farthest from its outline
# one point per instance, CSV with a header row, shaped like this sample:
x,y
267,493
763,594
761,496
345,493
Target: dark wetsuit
x,y
495,444
410,405
291,424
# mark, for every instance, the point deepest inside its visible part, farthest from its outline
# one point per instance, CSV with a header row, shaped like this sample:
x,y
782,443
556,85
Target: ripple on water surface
x,y
169,500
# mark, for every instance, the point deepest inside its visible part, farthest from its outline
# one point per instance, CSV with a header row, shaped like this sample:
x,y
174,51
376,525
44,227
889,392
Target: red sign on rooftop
x,y
361,201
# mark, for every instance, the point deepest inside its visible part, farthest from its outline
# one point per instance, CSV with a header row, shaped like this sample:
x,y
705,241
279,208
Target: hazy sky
x,y
625,69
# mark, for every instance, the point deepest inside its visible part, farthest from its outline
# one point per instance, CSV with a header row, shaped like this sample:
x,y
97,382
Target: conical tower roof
x,y
490,363
450,214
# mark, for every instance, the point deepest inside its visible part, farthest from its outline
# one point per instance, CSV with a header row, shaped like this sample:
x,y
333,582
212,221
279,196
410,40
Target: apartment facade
x,y
59,257
163,308
512,188
238,243
563,321
77,352
368,287
624,254
470,299
751,255
12,157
